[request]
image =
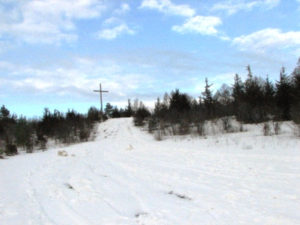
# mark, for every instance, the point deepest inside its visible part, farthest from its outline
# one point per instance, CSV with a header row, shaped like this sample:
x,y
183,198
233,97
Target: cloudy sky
x,y
53,53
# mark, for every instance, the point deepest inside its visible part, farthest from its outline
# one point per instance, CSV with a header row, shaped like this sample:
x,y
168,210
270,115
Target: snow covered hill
x,y
126,177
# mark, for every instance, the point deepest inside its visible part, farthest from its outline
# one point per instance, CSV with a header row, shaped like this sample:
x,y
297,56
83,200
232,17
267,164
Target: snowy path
x,y
125,177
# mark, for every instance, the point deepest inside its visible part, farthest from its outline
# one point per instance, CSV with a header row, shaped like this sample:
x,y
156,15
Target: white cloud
x,y
4,65
47,21
233,6
114,27
225,38
111,21
114,32
268,39
78,80
124,8
167,7
205,25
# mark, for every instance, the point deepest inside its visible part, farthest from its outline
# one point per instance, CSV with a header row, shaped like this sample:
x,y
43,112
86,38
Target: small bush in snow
x,y
297,130
158,135
241,129
200,129
184,128
277,128
266,129
140,115
226,122
152,125
11,149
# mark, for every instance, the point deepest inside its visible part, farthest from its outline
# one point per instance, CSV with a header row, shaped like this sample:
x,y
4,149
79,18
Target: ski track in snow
x,y
126,177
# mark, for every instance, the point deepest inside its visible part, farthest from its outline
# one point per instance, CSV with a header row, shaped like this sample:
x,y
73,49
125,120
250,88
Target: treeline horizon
x,y
29,134
66,128
253,100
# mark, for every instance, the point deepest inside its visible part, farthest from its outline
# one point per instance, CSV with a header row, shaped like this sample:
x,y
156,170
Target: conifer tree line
x,y
28,134
253,100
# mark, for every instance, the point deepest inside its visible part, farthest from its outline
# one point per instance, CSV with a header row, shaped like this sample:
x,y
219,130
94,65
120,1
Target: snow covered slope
x,y
126,177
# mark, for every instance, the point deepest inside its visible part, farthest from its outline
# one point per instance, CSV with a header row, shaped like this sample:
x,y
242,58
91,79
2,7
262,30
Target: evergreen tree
x,y
4,112
207,95
250,75
158,108
179,102
253,90
284,96
253,107
115,113
223,101
93,114
128,111
108,110
269,98
295,110
141,114
237,92
24,134
208,100
7,131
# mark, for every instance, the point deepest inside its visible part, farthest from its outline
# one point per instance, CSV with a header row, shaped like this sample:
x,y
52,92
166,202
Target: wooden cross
x,y
100,91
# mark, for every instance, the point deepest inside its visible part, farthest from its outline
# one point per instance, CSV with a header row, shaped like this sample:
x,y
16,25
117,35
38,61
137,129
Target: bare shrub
x,y
297,130
29,149
226,123
84,134
162,127
241,127
266,129
213,126
158,135
152,125
200,128
184,127
174,129
11,149
277,128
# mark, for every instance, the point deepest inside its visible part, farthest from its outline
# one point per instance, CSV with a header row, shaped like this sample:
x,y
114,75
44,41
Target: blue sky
x,y
53,53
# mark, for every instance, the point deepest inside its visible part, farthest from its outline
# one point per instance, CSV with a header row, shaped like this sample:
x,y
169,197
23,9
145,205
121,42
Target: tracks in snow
x,y
125,177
